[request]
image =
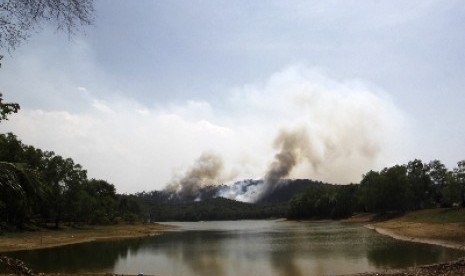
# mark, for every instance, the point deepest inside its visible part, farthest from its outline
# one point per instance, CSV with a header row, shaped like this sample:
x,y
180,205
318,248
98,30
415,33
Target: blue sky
x,y
138,96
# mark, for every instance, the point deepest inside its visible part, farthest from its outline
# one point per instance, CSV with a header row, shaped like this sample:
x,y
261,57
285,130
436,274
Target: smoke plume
x,y
339,130
207,170
292,146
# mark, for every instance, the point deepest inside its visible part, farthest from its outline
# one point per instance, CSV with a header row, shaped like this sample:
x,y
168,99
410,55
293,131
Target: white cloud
x,y
138,147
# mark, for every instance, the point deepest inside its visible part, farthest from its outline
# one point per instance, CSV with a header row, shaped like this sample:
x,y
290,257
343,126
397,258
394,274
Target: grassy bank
x,y
50,238
444,227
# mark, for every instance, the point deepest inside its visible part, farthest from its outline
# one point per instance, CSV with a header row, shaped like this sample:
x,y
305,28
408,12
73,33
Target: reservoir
x,y
261,247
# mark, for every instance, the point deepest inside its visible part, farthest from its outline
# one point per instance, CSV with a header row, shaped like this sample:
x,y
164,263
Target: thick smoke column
x,y
335,131
293,146
207,170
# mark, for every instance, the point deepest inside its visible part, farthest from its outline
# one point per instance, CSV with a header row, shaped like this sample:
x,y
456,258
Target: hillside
x,y
208,203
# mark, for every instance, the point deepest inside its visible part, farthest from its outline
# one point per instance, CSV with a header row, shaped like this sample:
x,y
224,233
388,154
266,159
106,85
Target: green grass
x,y
449,215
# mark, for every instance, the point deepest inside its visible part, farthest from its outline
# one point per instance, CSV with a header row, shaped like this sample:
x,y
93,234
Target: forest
x,y
396,189
42,189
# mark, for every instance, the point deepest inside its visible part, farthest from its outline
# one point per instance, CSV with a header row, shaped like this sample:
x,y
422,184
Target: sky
x,y
151,86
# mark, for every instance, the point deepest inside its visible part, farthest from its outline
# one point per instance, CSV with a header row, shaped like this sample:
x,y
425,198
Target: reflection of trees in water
x,y
85,257
202,252
284,256
287,248
316,245
400,254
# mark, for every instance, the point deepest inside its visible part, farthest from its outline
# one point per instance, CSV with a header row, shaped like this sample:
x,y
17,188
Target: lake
x,y
263,247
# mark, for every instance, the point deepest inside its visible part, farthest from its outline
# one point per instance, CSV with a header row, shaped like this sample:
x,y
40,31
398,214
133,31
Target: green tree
x,y
420,184
105,203
65,179
451,193
7,108
385,191
438,174
20,193
459,174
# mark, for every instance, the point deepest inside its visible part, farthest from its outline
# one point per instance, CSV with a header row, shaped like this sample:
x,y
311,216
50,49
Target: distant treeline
x,y
400,188
215,209
165,206
41,188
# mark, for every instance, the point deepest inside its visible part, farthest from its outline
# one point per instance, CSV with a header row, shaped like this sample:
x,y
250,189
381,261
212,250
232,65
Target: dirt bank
x,y
50,238
445,227
455,268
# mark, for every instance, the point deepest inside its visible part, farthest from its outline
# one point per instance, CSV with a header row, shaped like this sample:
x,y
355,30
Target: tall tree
x,y
20,193
438,174
419,183
459,173
386,190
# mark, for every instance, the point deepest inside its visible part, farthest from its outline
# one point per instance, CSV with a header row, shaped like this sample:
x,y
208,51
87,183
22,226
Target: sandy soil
x,y
448,234
455,268
52,238
444,234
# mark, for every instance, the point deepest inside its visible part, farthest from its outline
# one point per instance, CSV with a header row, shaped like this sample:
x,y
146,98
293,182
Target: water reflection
x,y
244,248
85,257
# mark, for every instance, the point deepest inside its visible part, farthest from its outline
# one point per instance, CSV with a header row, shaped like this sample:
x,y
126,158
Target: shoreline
x,y
428,227
442,227
392,234
411,227
46,238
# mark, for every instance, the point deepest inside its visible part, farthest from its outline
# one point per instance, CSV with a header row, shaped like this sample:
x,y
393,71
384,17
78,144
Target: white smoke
x,y
347,128
245,190
330,131
206,170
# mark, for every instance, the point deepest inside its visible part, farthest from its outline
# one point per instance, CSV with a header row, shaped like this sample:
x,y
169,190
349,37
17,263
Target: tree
x,y
437,172
451,193
385,191
65,179
7,109
420,184
103,196
20,193
19,18
438,175
459,173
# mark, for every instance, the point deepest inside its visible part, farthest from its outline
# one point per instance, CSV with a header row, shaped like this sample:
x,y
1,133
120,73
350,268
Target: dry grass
x,y
436,226
52,238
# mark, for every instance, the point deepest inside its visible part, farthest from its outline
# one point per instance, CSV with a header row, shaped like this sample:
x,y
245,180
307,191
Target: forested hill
x,y
215,209
165,206
284,192
41,188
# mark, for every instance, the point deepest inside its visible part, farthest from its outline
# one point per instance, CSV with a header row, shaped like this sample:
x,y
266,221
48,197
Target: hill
x,y
210,202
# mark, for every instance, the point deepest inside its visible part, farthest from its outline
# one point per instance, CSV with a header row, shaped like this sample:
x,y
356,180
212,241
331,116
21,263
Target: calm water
x,y
243,248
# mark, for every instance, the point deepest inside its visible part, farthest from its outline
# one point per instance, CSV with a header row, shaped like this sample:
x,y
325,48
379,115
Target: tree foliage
x,y
399,188
41,187
7,108
324,201
20,18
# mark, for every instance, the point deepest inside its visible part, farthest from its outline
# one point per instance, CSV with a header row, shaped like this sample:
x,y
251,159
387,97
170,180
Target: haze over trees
x,y
31,181
398,189
39,187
